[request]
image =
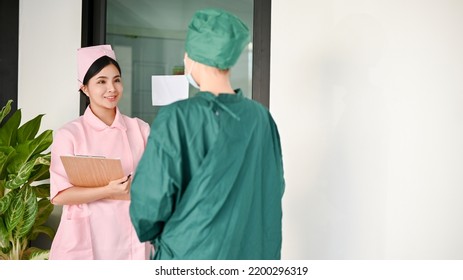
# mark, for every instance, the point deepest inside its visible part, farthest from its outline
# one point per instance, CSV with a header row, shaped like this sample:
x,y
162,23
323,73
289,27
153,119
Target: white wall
x,y
49,35
367,95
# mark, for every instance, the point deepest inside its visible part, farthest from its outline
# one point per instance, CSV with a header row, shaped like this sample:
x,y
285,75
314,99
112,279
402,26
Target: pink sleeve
x,y
145,129
62,145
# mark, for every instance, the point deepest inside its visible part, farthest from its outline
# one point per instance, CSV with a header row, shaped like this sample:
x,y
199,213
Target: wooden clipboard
x,y
93,171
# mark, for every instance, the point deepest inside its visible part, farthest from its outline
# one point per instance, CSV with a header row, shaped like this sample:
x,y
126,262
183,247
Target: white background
x,y
368,98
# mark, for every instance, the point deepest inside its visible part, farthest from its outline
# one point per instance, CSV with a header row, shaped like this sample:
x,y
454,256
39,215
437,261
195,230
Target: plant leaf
x,y
22,177
6,249
45,209
39,144
9,130
42,229
41,169
30,211
34,253
5,110
28,130
5,201
43,160
42,191
6,154
15,212
29,149
4,234
40,174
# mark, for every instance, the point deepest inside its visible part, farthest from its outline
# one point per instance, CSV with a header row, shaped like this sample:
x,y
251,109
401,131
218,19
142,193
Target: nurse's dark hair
x,y
97,66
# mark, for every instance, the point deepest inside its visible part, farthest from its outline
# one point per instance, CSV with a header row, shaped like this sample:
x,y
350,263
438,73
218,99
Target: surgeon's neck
x,y
215,81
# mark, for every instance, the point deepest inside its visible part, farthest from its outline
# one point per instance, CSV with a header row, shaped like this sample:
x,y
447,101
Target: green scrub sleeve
x,y
153,192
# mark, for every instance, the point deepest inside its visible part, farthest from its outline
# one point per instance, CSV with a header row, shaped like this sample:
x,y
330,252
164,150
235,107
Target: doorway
x,y
148,39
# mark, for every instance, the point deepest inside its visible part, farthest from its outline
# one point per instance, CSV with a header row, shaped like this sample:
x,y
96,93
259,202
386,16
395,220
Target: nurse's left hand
x,y
120,186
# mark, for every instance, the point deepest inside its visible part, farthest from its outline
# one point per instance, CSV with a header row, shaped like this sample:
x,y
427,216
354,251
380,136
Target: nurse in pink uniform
x,y
92,225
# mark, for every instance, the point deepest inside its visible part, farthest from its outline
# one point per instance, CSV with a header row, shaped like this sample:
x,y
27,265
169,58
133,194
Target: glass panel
x,y
148,38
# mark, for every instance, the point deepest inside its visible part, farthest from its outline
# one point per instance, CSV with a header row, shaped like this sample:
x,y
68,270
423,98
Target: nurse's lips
x,y
110,98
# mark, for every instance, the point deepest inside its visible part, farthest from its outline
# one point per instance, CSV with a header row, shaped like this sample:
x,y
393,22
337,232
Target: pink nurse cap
x,y
86,56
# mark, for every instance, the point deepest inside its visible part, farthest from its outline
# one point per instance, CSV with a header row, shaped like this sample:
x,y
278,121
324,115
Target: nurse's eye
x,y
117,80
101,82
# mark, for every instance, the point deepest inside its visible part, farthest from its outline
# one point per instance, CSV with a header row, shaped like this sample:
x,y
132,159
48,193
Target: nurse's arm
x,y
79,195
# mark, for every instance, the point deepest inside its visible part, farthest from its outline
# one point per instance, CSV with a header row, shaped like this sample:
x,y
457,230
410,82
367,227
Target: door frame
x,y
94,33
9,48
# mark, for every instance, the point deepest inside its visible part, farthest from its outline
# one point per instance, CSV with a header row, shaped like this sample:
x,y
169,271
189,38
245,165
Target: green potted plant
x,y
24,189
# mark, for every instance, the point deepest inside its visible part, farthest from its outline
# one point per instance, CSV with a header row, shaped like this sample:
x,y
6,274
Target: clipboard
x,y
93,171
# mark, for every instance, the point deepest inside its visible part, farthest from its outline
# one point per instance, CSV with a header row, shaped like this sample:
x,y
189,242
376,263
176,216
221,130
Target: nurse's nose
x,y
111,87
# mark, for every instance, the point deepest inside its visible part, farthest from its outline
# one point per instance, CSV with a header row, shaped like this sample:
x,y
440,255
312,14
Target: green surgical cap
x,y
216,38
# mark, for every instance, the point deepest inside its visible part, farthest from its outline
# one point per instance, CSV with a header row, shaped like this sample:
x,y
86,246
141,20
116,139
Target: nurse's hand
x,y
117,189
120,186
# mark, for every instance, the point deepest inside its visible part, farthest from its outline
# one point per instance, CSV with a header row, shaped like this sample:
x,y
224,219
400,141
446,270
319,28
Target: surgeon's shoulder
x,y
256,107
181,108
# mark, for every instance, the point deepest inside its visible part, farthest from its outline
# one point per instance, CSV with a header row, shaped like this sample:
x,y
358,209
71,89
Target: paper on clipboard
x,y
90,171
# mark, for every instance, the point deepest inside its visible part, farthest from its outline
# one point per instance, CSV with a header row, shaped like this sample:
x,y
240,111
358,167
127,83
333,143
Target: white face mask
x,y
189,77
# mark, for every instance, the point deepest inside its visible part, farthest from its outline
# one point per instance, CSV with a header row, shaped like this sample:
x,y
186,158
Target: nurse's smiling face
x,y
105,88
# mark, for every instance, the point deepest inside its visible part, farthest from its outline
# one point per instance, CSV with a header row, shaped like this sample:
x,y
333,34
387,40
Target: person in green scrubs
x,y
210,182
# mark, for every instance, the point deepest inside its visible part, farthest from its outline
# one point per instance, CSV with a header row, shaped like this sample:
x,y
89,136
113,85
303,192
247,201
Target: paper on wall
x,y
166,89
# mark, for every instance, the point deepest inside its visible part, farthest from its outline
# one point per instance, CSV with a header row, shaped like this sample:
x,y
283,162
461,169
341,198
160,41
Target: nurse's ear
x,y
84,89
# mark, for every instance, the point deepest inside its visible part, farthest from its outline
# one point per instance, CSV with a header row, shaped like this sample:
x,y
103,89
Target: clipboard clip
x,y
89,156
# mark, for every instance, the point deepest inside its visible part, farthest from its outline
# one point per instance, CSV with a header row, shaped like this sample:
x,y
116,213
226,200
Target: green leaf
x,y
15,212
6,154
42,191
30,211
41,169
28,130
34,253
5,110
6,249
43,160
5,201
45,209
22,177
3,256
4,234
48,231
40,174
39,144
29,149
9,130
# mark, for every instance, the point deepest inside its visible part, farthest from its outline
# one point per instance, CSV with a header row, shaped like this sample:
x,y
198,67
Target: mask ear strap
x,y
191,70
192,66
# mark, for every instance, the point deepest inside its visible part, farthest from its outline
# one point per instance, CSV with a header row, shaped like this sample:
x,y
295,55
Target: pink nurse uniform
x,y
101,229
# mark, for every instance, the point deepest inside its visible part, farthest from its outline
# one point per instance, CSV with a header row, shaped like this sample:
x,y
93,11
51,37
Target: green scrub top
x,y
210,182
